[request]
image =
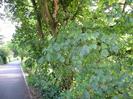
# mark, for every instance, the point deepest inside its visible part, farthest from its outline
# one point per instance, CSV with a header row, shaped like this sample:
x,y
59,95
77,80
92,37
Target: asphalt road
x,y
12,83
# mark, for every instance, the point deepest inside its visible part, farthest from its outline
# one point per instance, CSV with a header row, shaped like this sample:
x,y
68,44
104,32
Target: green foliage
x,y
96,68
90,57
3,56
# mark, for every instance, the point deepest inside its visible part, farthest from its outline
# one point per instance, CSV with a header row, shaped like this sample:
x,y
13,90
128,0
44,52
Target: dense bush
x,y
82,65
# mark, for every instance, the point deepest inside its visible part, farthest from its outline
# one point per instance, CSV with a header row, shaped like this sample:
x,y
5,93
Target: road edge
x,y
27,86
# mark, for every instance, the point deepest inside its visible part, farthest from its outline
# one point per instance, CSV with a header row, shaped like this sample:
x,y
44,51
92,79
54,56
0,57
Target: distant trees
x,y
3,56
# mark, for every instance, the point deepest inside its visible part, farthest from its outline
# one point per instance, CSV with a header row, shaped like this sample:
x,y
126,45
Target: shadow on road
x,y
12,83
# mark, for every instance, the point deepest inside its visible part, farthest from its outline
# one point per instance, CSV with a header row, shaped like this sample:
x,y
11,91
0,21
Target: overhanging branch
x,y
39,23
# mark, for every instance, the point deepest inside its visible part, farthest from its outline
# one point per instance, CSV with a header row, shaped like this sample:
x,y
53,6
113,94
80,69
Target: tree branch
x,y
124,6
38,16
56,7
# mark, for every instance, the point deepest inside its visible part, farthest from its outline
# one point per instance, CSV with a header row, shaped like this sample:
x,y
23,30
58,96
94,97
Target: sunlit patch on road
x,y
9,72
4,69
10,75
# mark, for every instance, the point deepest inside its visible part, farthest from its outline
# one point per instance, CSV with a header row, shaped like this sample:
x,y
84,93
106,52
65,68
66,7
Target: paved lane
x,y
12,84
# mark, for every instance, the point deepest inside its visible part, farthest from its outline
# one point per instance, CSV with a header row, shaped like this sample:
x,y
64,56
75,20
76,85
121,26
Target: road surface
x,y
12,83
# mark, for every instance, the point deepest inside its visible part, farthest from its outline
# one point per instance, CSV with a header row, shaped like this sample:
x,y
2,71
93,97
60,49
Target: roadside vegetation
x,y
5,54
75,49
3,57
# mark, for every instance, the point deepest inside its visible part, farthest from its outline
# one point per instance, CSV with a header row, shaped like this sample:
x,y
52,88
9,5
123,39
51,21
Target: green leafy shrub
x,y
82,68
84,65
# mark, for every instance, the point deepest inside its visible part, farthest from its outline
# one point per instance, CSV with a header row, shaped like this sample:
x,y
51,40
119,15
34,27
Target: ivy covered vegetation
x,y
76,49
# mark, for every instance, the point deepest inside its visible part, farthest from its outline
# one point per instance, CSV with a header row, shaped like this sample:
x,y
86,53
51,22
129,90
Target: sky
x,y
7,28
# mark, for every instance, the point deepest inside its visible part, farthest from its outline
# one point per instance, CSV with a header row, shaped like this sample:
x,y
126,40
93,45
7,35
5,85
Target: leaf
x,y
94,36
114,48
85,95
104,46
84,37
61,58
56,47
48,57
111,2
93,46
104,53
115,97
41,60
84,50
